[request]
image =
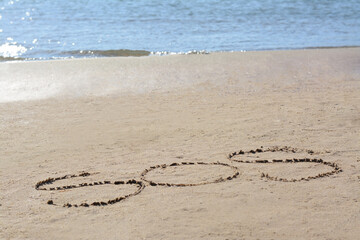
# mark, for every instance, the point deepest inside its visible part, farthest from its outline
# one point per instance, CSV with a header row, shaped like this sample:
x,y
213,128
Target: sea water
x,y
50,29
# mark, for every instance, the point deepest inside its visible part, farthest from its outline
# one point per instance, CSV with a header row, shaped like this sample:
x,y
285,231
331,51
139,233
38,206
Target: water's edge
x,y
81,54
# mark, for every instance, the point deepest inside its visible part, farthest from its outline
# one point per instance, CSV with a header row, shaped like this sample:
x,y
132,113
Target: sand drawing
x,y
334,166
141,184
40,186
221,179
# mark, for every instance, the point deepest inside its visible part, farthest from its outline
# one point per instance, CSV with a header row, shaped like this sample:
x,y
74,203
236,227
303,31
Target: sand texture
x,y
115,118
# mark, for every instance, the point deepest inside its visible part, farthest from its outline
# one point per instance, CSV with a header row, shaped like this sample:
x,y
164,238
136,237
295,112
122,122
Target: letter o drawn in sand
x,y
40,186
163,166
335,168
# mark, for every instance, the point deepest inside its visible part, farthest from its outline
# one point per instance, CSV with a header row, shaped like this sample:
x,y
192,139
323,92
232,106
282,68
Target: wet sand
x,y
115,117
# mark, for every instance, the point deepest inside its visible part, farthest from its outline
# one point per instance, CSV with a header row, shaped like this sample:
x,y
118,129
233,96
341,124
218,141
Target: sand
x,y
115,117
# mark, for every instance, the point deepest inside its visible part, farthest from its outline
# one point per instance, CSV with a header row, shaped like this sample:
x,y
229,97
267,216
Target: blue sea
x,y
52,29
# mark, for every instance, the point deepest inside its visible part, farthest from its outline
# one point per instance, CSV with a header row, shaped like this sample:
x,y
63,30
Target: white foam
x,y
11,50
164,53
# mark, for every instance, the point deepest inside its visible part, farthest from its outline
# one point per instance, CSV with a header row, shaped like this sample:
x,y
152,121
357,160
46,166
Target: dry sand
x,y
117,116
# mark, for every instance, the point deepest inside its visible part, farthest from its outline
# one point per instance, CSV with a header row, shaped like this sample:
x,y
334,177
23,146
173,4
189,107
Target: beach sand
x,y
115,117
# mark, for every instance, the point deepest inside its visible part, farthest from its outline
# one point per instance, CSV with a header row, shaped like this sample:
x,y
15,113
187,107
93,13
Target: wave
x,y
5,59
10,51
107,53
164,53
53,54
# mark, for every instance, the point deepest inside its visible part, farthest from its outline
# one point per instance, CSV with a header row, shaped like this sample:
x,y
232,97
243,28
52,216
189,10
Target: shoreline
x,y
142,53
